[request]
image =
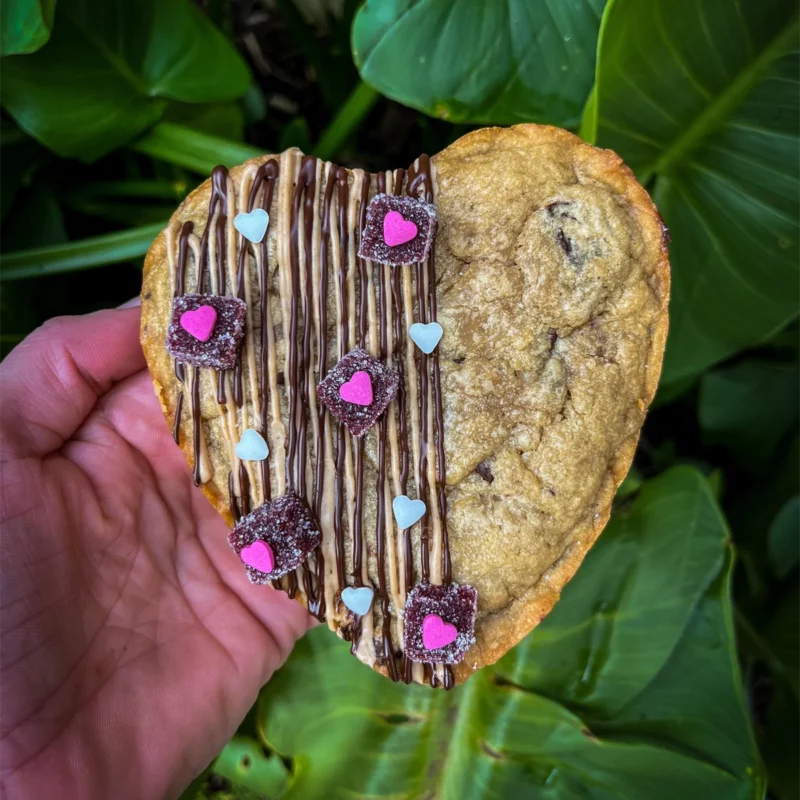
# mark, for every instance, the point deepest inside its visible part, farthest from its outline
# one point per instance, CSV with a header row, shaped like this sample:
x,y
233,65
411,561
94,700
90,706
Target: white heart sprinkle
x,y
407,511
426,337
252,226
252,446
359,600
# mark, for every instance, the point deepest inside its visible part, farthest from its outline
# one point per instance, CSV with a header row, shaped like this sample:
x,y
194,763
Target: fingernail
x,y
132,303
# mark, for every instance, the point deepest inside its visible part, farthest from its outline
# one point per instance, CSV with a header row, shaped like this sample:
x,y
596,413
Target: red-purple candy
x,y
358,418
222,348
455,605
287,526
379,234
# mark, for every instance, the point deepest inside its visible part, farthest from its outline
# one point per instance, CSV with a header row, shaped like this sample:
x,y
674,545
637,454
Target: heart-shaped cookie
x,y
544,263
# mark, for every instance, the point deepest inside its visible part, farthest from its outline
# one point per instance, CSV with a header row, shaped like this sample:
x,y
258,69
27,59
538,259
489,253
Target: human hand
x,y
132,642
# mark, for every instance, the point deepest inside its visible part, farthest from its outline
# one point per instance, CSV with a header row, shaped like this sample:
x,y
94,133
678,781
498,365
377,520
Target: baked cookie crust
x,y
552,285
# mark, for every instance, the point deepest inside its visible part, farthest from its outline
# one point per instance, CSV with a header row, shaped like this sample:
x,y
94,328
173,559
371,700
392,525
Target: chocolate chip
x,y
358,418
564,242
559,208
485,472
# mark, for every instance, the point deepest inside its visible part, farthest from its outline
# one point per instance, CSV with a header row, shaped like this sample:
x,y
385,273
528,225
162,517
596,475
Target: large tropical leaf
x,y
98,251
501,62
25,25
109,68
750,408
645,625
701,98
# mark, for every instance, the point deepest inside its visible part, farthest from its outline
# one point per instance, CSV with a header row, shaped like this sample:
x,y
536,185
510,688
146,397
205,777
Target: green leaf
x,y
333,68
134,188
783,638
649,607
749,408
501,63
25,25
296,133
225,120
244,763
783,539
35,219
348,118
21,157
701,98
668,547
98,251
199,152
109,69
781,744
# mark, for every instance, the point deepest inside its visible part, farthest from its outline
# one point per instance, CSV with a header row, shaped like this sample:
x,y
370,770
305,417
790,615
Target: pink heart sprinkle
x,y
358,390
397,230
437,633
200,322
258,556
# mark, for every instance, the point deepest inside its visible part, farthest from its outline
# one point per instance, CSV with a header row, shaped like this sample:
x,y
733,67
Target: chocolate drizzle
x,y
343,199
380,487
176,425
306,201
420,176
299,378
358,512
180,284
267,174
420,180
219,197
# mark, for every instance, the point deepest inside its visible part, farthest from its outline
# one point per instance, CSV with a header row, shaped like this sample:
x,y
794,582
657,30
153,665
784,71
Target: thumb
x,y
51,380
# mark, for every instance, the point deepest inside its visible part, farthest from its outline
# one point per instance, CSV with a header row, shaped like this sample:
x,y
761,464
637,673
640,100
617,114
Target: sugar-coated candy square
x,y
206,330
398,230
358,390
440,622
275,538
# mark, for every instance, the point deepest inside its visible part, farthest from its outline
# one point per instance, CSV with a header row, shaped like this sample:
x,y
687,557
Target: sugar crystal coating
x,y
357,418
456,605
287,526
222,348
373,244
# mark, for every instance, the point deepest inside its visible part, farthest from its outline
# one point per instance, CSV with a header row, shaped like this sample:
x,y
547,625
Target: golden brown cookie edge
x,y
499,632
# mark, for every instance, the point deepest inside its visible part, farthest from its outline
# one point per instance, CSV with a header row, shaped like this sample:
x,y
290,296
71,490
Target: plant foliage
x,y
670,665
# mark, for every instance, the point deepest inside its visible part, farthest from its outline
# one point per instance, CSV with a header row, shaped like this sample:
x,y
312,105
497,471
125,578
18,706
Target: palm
x,y
131,638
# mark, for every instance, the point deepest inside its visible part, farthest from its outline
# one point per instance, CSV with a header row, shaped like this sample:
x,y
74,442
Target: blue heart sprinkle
x,y
252,446
359,601
407,511
252,226
426,337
